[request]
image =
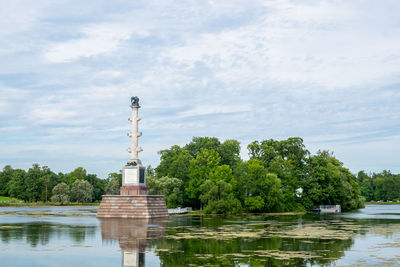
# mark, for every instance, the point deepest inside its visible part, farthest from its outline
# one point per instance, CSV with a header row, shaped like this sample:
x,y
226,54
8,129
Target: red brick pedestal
x,y
132,206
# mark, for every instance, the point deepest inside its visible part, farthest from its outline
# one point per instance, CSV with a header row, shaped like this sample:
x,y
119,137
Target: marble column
x,y
133,173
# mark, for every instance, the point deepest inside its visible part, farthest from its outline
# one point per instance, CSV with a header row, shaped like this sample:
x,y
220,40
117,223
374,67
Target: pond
x,y
72,236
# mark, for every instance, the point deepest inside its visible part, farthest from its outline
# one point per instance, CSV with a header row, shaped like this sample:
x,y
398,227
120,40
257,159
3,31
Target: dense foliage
x,y
210,175
379,186
41,184
279,176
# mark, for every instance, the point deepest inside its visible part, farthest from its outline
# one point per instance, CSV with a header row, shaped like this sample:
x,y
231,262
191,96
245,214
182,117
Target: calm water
x,y
72,236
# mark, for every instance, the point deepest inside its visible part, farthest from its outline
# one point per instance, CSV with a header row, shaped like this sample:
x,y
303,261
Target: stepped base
x,y
132,206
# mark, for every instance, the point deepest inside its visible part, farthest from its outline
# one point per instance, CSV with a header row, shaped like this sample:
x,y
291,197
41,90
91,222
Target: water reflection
x,y
74,237
133,237
253,241
42,233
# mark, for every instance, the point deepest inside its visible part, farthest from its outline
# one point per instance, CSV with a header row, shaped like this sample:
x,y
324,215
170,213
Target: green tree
x,y
33,184
81,191
48,180
288,160
259,190
60,194
329,183
77,174
113,183
229,151
5,177
217,197
200,169
98,186
16,186
174,162
365,183
170,188
200,143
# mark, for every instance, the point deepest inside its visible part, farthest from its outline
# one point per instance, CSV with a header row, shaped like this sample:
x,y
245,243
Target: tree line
x,y
40,184
379,186
279,176
210,175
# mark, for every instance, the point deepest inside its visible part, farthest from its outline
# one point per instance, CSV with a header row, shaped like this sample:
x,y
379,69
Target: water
x,y
72,236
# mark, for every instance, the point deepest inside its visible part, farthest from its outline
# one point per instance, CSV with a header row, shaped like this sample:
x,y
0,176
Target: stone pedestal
x,y
133,180
132,190
132,206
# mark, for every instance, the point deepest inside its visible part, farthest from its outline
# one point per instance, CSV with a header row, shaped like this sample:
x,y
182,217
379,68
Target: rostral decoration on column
x,y
134,149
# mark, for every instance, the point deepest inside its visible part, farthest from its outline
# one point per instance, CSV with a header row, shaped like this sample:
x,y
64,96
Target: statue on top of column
x,y
135,101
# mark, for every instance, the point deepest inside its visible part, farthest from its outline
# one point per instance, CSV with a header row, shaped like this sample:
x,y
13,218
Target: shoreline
x,y
382,203
39,204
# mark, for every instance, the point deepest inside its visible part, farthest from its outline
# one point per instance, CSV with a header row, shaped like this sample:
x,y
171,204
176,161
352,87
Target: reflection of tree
x,y
182,252
133,236
42,233
193,249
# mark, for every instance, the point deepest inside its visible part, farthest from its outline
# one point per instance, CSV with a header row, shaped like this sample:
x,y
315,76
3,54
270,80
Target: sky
x,y
325,71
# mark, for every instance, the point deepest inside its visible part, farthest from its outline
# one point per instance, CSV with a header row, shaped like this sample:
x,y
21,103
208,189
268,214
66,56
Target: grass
x,y
14,202
10,200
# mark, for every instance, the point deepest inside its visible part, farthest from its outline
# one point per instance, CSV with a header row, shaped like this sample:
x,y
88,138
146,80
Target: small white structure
x,y
327,209
179,210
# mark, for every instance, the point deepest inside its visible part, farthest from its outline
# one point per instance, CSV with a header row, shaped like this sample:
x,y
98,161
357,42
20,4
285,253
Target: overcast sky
x,y
326,71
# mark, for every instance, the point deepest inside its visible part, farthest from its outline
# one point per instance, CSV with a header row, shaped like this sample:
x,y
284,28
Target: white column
x,y
134,149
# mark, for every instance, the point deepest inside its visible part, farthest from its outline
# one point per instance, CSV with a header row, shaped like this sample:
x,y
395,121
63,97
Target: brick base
x,y
132,206
132,190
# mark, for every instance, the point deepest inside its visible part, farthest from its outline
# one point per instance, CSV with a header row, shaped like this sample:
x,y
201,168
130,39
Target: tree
x,y
48,180
33,184
16,186
200,169
114,182
5,176
200,143
60,193
329,183
259,190
288,160
217,197
170,188
365,183
81,191
98,186
229,151
77,174
174,162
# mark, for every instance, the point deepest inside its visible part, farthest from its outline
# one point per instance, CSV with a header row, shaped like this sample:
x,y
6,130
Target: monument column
x,y
133,173
133,201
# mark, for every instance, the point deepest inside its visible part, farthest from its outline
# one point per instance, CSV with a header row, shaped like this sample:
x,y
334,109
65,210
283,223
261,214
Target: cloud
x,y
212,110
96,40
326,71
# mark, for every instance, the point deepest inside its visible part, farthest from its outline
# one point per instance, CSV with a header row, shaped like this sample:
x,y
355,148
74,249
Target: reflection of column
x,y
132,235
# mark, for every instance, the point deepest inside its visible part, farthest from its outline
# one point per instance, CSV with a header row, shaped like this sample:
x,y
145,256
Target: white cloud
x,y
321,44
97,40
323,70
213,110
